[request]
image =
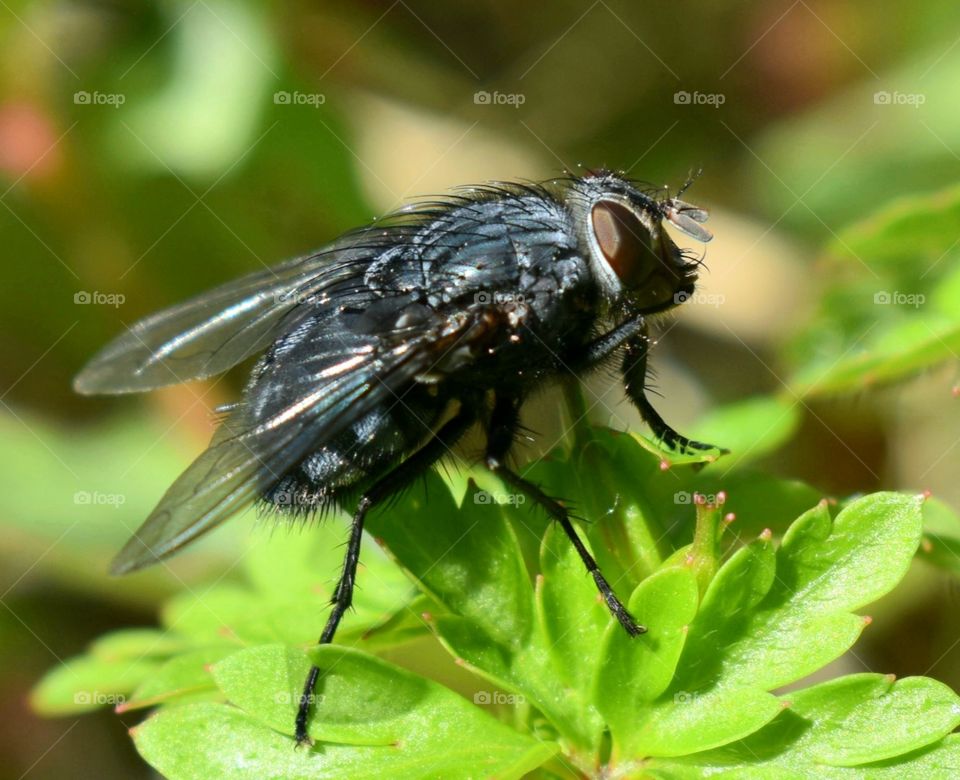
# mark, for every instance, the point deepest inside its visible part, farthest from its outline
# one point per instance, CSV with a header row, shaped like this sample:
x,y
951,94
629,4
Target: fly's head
x,y
634,260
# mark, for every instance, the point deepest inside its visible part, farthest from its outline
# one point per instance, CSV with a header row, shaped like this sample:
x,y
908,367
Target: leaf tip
x,y
867,620
766,535
890,678
729,517
955,391
665,464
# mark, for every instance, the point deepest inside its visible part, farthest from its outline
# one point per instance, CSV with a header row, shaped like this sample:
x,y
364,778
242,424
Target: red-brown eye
x,y
623,241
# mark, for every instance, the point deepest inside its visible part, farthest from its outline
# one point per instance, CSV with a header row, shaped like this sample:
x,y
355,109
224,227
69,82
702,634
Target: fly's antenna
x,y
691,178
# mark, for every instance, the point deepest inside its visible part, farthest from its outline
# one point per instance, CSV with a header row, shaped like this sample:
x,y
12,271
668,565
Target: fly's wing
x,y
216,330
255,447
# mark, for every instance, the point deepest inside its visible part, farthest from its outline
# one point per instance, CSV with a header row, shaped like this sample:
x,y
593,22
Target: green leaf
x,y
214,615
633,671
886,728
894,352
200,741
466,558
572,633
186,677
750,428
362,700
85,683
690,715
698,721
752,631
300,566
132,643
909,227
881,319
358,700
470,562
940,545
870,717
824,569
292,578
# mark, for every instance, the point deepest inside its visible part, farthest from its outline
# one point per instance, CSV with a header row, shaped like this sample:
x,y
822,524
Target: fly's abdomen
x,y
350,462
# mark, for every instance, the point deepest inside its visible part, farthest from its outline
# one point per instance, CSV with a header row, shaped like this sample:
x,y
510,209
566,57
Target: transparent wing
x,y
246,457
219,328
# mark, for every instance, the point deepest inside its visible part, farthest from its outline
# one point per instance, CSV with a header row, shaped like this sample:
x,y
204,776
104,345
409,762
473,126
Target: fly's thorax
x,y
633,259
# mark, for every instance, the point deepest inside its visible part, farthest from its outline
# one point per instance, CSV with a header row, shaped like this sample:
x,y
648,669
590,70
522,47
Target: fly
x,y
380,351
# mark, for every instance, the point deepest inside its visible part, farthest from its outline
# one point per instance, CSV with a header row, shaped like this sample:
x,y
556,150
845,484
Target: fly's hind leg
x,y
500,435
393,482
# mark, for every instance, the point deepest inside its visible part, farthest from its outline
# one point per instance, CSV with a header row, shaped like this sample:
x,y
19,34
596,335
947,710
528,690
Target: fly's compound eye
x,y
623,240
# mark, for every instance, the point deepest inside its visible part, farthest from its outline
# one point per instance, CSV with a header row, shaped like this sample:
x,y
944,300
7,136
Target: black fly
x,y
384,348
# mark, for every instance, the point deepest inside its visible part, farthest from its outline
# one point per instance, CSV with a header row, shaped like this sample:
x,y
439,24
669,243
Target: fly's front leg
x,y
500,435
634,371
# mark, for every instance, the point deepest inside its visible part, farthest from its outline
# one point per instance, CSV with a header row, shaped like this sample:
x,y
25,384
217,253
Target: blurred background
x,y
149,151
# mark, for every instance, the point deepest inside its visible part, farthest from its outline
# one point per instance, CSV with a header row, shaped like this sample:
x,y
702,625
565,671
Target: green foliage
x,y
730,624
892,304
